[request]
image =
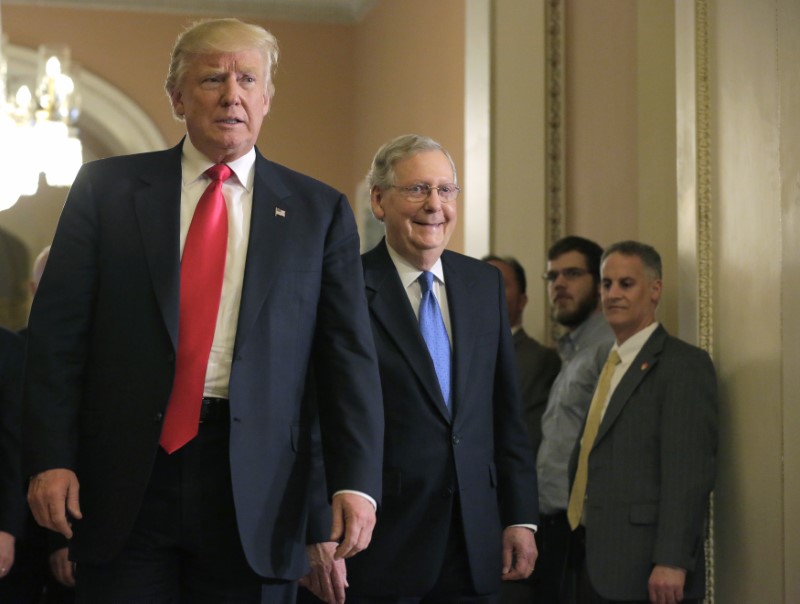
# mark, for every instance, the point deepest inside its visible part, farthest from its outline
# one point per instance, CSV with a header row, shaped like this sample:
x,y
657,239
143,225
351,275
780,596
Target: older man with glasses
x,y
459,481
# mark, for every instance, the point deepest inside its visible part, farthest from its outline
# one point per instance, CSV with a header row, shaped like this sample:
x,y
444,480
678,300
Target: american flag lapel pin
x,y
280,212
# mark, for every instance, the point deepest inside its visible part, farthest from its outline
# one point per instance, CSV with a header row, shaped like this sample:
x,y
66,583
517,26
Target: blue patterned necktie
x,y
434,333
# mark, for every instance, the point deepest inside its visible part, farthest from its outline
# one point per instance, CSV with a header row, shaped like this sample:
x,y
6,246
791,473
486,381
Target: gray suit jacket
x,y
651,470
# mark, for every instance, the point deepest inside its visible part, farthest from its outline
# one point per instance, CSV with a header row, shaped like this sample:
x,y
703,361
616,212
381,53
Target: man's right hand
x,y
51,494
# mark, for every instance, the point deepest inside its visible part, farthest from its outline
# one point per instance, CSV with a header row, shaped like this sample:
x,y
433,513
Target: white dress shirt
x,y
627,351
238,193
409,276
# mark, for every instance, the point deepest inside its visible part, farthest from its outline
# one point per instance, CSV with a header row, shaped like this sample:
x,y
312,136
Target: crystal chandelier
x,y
37,126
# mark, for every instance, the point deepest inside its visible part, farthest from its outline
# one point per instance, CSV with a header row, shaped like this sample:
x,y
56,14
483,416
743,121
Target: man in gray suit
x,y
645,465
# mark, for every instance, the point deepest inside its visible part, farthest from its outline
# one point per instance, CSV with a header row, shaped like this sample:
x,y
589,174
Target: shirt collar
x,y
631,347
194,164
408,272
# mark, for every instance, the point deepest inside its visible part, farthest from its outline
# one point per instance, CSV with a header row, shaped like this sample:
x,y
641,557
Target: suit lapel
x,y
157,204
642,365
388,303
268,228
463,319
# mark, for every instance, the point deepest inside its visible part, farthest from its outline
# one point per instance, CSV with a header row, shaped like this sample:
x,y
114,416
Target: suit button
x,y
447,493
158,417
456,439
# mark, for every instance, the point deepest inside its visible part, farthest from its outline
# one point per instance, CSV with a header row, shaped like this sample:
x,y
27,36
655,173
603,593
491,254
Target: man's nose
x,y
230,92
560,281
433,203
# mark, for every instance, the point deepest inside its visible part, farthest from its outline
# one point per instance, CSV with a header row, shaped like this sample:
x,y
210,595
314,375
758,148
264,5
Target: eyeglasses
x,y
570,273
420,191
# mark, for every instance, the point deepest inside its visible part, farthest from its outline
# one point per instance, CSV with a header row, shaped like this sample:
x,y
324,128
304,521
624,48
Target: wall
x,y
656,145
788,18
601,130
518,147
756,149
620,129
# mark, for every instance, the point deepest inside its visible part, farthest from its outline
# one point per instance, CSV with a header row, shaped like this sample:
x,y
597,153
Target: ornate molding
x,y
705,305
555,138
704,217
554,106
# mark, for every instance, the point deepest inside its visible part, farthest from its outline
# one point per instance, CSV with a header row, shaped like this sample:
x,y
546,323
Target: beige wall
x,y
788,17
601,129
620,165
756,150
518,225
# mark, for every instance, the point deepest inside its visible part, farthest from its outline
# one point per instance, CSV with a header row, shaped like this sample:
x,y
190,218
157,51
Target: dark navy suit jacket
x,y
103,336
479,453
13,509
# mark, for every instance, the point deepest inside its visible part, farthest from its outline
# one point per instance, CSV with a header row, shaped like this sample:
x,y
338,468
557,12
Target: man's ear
x,y
376,200
656,287
177,103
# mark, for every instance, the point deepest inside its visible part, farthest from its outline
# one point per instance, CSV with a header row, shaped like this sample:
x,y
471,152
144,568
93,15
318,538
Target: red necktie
x,y
202,269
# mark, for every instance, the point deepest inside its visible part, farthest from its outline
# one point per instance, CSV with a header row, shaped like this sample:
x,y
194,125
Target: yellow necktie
x,y
578,493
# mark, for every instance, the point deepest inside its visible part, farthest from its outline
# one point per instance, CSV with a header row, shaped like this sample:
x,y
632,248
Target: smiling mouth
x,y
230,121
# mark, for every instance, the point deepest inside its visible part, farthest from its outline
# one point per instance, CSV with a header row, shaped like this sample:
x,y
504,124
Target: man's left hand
x,y
519,553
328,577
353,521
666,584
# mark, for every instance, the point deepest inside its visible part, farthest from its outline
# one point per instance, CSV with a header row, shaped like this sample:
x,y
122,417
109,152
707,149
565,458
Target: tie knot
x,y
426,281
613,358
219,172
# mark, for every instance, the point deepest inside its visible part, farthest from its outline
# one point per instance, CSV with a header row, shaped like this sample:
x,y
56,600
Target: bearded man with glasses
x,y
573,287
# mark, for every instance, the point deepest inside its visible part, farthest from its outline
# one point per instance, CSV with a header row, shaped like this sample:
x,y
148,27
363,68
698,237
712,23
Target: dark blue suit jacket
x,y
103,335
480,454
13,509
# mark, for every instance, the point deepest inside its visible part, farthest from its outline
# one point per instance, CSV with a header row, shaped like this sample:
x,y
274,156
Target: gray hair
x,y
381,173
646,253
212,36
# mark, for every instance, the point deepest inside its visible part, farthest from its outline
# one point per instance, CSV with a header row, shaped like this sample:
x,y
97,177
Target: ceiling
x,y
319,11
